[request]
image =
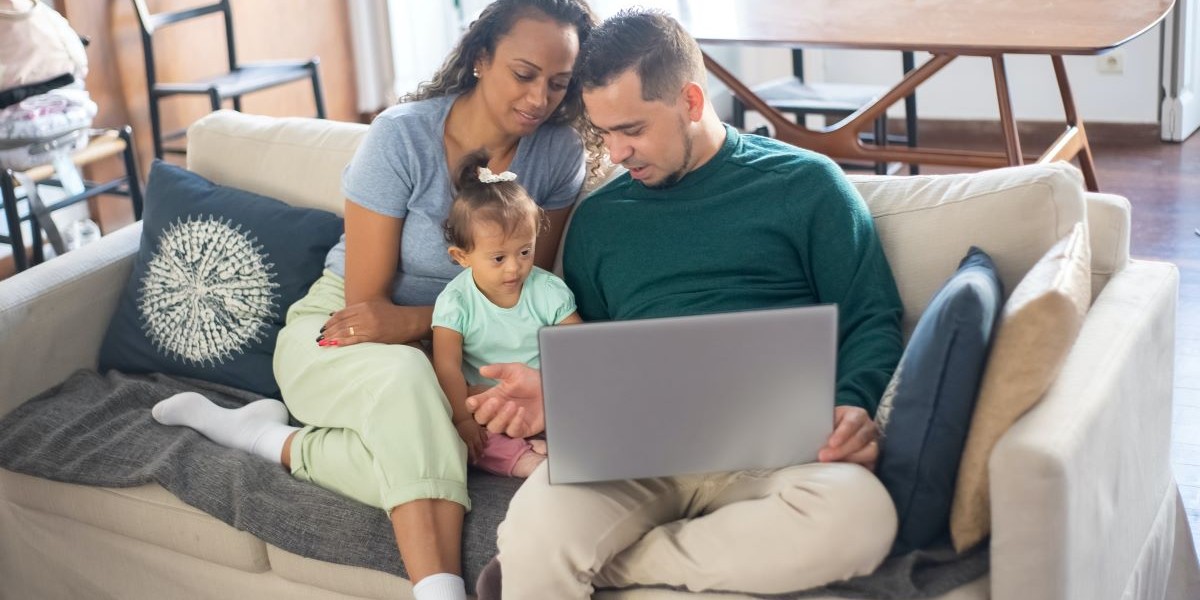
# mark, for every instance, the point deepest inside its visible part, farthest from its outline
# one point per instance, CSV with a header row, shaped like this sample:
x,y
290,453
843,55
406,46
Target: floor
x,y
1162,182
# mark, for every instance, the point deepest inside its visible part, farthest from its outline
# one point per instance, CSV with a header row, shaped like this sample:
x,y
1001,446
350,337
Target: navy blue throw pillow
x,y
926,410
214,276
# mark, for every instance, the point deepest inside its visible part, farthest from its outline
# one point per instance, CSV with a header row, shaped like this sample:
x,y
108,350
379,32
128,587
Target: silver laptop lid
x,y
706,393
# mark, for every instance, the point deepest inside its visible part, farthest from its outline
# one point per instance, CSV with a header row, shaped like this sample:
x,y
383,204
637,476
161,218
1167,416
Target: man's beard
x,y
678,174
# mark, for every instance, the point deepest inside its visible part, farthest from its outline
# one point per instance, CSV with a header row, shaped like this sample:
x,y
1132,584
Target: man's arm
x,y
847,266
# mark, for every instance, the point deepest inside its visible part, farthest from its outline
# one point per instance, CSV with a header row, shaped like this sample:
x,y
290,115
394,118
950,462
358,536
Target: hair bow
x,y
487,176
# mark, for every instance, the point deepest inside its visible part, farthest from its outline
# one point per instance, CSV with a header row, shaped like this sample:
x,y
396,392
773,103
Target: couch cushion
x,y
147,512
215,274
927,223
305,156
344,579
1037,328
926,410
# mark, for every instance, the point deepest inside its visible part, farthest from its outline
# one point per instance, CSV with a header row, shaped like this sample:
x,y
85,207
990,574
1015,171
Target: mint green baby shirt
x,y
492,334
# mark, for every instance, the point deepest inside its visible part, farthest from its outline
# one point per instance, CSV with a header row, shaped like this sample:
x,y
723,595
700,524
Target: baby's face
x,y
500,263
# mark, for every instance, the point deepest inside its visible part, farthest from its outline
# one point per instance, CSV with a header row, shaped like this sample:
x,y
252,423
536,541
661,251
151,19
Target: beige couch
x,y
1084,502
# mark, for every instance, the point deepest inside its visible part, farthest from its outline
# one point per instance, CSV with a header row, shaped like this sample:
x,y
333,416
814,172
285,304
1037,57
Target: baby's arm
x,y
447,364
571,319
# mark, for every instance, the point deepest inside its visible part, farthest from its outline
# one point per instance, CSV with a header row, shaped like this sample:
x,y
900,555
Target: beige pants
x,y
749,531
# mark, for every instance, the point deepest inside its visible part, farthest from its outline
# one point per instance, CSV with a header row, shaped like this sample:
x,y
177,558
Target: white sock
x,y
440,586
259,428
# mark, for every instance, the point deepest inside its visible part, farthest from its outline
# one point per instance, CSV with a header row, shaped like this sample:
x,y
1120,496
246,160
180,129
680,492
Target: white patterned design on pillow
x,y
208,292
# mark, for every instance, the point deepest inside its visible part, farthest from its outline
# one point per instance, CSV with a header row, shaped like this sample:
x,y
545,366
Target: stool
x,y
102,144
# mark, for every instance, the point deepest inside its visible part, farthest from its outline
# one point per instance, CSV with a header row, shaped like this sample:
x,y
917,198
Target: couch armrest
x,y
53,317
1076,483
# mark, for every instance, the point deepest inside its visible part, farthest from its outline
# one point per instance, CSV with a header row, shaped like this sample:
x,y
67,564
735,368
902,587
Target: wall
x,y
965,90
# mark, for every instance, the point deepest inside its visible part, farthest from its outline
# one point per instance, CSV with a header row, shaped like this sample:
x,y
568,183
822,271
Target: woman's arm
x,y
372,254
447,364
547,242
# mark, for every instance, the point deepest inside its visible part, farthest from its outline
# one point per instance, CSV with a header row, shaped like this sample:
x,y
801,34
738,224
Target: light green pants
x,y
378,426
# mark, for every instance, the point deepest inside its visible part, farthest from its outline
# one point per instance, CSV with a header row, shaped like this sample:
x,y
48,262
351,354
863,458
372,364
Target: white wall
x,y
965,89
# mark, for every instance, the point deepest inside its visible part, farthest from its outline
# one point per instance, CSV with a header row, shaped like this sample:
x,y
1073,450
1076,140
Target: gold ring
x,y
351,331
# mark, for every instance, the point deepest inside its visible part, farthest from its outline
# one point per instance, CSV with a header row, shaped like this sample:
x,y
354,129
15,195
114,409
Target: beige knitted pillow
x,y
1037,328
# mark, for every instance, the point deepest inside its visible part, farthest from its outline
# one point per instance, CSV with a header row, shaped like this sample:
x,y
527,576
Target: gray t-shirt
x,y
400,171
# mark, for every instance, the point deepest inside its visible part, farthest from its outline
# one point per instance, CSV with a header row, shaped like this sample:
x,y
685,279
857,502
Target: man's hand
x,y
514,406
473,436
853,438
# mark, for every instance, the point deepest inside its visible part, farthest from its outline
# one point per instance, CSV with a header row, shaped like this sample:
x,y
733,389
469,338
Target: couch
x,y
1083,499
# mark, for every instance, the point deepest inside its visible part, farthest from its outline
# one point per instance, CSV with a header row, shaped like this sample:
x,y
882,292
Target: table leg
x,y
841,141
1075,137
1008,124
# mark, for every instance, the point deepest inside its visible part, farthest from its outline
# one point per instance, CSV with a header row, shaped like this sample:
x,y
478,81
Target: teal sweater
x,y
760,225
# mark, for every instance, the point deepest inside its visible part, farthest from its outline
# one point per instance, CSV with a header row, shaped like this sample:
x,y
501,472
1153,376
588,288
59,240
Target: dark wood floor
x,y
1162,182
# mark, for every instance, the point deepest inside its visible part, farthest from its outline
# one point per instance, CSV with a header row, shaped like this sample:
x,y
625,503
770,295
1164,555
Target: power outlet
x,y
1112,63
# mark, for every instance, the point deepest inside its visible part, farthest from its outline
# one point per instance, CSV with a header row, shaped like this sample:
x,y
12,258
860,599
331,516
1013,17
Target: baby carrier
x,y
44,110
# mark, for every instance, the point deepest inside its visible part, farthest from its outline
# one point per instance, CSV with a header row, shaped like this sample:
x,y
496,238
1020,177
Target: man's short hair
x,y
665,56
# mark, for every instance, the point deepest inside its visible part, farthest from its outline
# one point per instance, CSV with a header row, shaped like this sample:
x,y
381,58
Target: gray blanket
x,y
96,429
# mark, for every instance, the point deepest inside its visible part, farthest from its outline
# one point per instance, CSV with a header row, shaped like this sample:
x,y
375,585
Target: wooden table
x,y
945,28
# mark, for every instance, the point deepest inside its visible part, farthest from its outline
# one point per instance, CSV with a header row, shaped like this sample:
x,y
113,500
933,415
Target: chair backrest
x,y
150,22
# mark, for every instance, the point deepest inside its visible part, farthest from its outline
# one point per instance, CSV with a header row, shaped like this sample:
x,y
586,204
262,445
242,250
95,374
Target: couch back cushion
x,y
926,223
296,160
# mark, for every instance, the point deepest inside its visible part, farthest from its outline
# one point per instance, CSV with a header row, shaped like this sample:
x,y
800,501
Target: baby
x,y
491,312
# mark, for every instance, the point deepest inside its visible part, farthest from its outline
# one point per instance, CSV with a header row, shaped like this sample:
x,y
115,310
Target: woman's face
x,y
526,79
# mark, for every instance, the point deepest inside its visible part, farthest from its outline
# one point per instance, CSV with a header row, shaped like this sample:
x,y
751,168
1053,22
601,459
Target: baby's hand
x,y
473,434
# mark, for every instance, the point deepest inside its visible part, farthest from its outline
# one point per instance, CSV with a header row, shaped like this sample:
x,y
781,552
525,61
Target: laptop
x,y
695,394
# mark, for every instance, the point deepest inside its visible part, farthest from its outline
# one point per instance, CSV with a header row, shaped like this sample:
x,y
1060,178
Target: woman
x,y
378,427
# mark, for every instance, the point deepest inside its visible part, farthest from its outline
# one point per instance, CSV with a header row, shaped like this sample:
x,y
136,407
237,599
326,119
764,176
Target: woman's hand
x,y
378,321
473,435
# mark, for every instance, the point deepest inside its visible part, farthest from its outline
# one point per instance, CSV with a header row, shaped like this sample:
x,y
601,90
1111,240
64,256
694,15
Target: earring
x,y
475,72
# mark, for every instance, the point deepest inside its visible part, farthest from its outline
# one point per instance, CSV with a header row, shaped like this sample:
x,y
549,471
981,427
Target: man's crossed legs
x,y
749,531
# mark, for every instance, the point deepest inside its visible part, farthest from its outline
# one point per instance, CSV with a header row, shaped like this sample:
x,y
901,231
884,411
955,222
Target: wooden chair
x,y
838,100
241,79
21,206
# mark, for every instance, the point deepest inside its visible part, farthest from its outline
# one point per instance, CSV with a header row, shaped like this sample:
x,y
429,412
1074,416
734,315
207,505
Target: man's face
x,y
650,138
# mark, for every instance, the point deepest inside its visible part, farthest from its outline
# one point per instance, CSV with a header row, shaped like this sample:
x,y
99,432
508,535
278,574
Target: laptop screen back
x,y
705,393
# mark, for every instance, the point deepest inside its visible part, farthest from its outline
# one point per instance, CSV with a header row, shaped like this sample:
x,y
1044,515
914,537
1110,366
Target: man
x,y
706,220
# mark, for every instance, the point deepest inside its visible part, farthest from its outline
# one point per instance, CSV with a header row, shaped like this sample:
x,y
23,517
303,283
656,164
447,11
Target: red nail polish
x,y
332,342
